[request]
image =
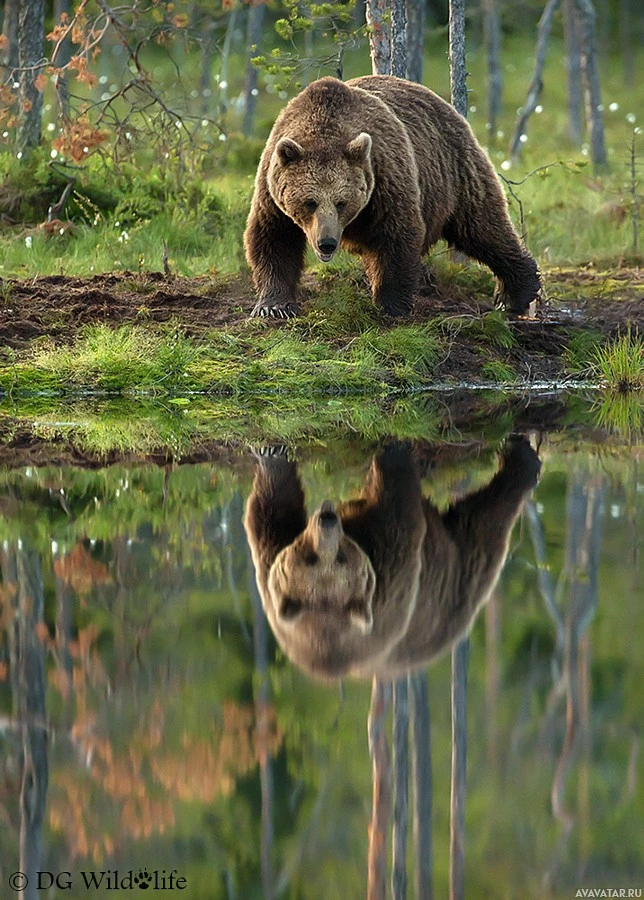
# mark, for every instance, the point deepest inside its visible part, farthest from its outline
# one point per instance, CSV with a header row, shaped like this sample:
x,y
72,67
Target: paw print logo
x,y
143,880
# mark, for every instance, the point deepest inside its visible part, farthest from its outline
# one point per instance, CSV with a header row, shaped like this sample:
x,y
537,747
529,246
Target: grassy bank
x,y
170,337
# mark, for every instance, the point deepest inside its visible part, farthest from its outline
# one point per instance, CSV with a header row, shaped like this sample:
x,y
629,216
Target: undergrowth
x,y
619,364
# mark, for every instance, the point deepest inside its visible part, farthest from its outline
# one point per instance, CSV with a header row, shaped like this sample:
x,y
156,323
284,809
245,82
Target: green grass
x,y
251,359
580,350
619,364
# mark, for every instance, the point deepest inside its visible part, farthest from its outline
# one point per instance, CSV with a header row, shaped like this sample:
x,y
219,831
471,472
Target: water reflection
x,y
381,584
149,719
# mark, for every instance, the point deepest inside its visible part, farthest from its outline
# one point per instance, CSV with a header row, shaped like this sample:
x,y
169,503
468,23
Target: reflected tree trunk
x,y
32,714
422,781
381,806
262,700
415,39
401,788
460,661
64,603
256,16
492,643
584,512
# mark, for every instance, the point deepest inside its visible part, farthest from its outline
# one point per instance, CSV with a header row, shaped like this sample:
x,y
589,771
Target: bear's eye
x,y
311,558
310,205
289,608
341,205
341,558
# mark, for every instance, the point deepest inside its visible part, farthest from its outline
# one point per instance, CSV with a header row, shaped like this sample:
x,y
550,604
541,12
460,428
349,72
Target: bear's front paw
x,y
518,456
267,309
271,452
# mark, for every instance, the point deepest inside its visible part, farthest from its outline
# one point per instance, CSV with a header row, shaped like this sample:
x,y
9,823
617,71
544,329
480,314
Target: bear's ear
x,y
289,151
359,149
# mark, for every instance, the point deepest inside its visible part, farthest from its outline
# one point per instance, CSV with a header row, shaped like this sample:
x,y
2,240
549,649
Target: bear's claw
x,y
274,311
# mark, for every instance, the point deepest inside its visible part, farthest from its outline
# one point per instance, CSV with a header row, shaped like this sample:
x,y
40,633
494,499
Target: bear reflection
x,y
381,584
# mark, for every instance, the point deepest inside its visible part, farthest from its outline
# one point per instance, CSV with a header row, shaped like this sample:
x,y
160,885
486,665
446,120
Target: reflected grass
x,y
621,414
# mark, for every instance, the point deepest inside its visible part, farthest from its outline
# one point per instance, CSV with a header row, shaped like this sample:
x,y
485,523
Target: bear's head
x,y
321,589
322,189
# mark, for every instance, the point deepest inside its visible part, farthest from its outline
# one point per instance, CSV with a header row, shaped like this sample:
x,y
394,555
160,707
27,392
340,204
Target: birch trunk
x,y
492,36
573,69
379,37
31,35
536,85
256,16
590,79
399,38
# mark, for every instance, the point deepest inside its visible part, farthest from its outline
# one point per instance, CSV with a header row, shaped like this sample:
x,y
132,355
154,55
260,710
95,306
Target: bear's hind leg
x,y
497,245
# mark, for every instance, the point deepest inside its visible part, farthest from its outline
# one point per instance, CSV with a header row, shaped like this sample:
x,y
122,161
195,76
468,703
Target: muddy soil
x,y
56,307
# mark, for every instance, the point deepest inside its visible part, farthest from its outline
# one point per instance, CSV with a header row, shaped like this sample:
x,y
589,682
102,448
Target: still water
x,y
157,726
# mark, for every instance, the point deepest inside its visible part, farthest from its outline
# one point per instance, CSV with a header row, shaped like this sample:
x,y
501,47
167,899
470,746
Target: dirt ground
x,y
55,307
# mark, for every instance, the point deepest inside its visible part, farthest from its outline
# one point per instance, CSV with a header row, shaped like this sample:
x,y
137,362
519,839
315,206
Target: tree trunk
x,y
460,654
627,40
422,780
573,69
205,76
590,77
399,38
457,66
31,35
379,38
460,660
536,85
63,55
381,807
401,789
9,56
415,39
256,16
225,60
492,35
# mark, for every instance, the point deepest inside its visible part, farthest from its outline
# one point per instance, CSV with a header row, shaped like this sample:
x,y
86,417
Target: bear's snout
x,y
327,516
327,247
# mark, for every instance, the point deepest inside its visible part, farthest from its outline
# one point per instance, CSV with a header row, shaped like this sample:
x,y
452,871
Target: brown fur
x,y
408,170
391,583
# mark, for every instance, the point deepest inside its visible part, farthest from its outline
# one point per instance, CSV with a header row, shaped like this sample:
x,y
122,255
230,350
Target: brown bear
x,y
382,584
384,168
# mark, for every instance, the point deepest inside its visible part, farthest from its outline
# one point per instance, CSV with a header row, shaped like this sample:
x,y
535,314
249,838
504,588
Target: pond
x,y
158,729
